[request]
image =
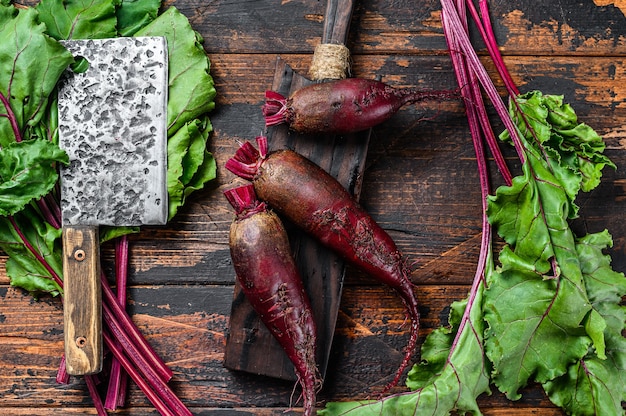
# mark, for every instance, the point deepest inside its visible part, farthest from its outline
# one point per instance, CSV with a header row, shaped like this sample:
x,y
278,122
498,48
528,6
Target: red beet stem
x,y
151,376
243,199
62,376
118,380
137,341
245,163
261,141
155,399
91,382
275,108
248,153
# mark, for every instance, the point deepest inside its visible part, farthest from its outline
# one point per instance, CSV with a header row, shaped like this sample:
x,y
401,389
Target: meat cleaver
x,y
113,126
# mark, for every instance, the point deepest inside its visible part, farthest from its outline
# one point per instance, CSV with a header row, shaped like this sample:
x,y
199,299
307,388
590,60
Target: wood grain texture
x,y
420,183
82,302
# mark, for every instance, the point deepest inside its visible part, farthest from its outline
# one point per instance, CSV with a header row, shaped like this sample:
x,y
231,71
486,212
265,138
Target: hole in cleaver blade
x,y
113,125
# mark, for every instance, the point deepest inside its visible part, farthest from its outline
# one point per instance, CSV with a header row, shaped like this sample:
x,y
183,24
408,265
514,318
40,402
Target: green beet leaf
x,y
591,387
190,164
575,149
27,171
27,273
199,164
540,317
535,328
191,89
177,148
195,157
191,97
30,65
133,15
604,285
79,19
596,385
33,62
23,268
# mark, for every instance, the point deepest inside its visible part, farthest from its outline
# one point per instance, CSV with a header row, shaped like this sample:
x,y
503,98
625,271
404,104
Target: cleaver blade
x,y
113,126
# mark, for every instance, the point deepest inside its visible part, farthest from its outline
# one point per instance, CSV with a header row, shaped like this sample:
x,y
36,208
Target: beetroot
x,y
342,106
315,201
270,280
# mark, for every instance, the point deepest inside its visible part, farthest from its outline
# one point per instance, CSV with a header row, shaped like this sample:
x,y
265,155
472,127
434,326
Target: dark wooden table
x,y
420,184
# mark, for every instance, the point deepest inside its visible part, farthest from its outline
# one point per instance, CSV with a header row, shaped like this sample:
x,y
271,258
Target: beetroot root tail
x,y
411,305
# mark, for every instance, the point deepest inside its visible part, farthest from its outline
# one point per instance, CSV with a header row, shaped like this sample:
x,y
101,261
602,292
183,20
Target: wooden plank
x,y
187,328
248,411
523,27
385,28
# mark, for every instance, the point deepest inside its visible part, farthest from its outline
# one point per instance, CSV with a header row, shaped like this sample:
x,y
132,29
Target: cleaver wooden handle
x,y
82,301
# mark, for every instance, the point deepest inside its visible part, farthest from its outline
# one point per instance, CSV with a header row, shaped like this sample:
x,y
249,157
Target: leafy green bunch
x,y
553,305
548,308
32,61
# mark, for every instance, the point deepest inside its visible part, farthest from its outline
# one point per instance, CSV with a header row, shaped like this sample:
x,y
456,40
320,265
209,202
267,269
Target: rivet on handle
x,y
81,342
79,255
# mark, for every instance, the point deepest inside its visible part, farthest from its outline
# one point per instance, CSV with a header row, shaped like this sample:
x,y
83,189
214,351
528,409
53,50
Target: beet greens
x,y
547,308
30,217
